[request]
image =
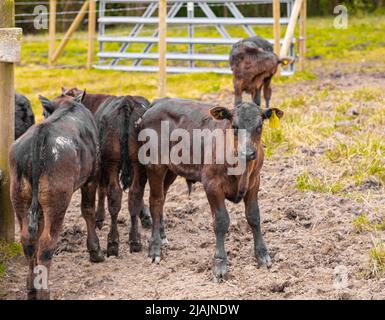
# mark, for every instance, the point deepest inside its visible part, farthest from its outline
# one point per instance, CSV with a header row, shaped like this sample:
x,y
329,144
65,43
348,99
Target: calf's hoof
x,y
220,270
135,246
99,224
165,242
155,259
154,252
145,218
264,260
96,256
112,249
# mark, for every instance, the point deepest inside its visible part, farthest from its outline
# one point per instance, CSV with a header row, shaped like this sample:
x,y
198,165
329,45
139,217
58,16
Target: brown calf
x,y
254,63
115,118
47,164
101,105
217,182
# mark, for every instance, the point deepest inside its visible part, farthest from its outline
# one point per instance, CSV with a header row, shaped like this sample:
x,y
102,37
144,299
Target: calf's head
x,y
247,117
50,106
74,92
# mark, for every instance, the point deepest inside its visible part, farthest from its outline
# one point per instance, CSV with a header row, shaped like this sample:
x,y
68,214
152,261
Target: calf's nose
x,y
251,155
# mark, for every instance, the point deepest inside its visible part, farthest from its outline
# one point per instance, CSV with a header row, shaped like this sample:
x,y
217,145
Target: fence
x,y
9,54
191,61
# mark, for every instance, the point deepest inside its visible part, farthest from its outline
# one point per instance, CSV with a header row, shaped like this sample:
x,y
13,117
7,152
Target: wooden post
x,y
302,36
290,28
91,34
277,30
52,31
7,123
162,47
75,24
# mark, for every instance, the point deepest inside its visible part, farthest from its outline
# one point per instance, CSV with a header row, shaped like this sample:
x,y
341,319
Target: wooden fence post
x,y
91,34
52,31
290,28
277,30
162,47
75,24
302,36
7,122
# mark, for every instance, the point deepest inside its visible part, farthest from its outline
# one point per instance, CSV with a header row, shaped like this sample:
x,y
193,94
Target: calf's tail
x,y
126,170
34,209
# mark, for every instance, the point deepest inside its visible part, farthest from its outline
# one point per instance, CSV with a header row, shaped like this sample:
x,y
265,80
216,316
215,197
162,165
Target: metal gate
x,y
136,51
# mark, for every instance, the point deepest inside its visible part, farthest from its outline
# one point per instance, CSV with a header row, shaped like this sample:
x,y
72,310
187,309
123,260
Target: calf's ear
x,y
47,105
220,113
64,90
81,97
267,113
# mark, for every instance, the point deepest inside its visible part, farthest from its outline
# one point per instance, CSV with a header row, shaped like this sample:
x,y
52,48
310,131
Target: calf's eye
x,y
259,130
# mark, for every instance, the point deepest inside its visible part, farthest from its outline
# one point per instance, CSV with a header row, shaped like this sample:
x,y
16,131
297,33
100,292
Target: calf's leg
x,y
221,226
256,97
21,199
237,91
253,218
267,91
114,195
88,212
135,204
156,179
168,181
54,207
145,217
100,212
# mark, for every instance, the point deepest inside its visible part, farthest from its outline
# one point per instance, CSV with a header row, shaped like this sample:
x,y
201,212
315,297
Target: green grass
x,y
7,252
362,157
362,224
362,40
308,182
377,258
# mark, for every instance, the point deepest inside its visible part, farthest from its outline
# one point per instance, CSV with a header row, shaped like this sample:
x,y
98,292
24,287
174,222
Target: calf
x,y
254,63
115,118
24,117
217,182
47,164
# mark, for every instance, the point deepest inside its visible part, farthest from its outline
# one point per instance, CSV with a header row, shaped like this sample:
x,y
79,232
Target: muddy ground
x,y
310,236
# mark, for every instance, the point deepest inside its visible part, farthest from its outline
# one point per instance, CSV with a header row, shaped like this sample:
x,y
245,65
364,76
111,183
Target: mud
x,y
310,237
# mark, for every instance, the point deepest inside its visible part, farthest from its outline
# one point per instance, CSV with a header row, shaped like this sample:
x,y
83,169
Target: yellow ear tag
x,y
274,120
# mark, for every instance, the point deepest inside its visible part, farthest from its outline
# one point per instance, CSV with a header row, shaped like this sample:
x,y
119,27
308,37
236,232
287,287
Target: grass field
x,y
326,46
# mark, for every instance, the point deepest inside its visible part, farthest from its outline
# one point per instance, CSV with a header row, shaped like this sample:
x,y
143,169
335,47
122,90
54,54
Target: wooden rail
x,y
290,28
54,55
277,29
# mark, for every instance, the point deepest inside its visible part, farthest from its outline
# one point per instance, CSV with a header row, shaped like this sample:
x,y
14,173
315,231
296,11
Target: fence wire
x,y
69,15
